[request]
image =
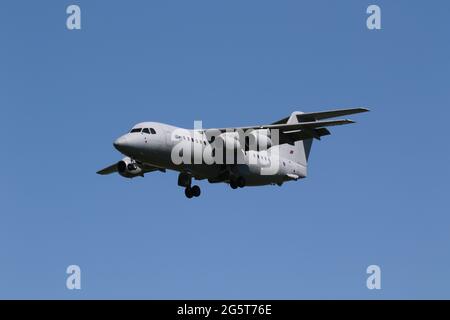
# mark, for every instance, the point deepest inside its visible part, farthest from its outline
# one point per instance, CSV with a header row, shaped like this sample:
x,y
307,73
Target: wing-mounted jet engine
x,y
129,168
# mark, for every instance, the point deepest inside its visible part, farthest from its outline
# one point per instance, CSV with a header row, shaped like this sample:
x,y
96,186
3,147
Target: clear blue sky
x,y
377,191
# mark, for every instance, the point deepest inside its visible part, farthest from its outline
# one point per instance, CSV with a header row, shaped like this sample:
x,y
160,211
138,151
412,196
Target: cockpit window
x,y
135,130
145,130
152,131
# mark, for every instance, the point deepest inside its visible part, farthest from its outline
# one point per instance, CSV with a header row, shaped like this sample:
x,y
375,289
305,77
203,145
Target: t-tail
x,y
295,145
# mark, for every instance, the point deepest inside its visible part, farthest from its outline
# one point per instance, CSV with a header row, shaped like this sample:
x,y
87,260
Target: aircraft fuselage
x,y
155,149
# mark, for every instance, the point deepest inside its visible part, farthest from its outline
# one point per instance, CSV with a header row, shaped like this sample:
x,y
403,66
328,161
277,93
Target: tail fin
x,y
299,152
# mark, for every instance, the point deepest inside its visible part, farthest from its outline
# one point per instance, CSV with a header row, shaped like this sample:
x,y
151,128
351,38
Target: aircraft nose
x,y
120,142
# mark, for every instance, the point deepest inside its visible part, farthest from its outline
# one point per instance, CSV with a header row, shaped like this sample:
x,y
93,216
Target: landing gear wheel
x,y
233,184
188,193
195,191
241,182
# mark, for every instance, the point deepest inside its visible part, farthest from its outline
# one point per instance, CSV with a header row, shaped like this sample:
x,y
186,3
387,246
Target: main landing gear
x,y
193,191
237,183
185,180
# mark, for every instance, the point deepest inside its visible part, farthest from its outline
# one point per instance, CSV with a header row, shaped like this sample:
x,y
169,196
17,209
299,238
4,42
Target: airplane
x,y
241,157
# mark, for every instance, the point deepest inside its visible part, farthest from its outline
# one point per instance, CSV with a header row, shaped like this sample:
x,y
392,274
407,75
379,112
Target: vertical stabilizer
x,y
299,151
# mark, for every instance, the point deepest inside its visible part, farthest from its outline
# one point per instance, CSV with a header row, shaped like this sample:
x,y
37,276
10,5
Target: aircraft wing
x,y
310,125
288,127
113,168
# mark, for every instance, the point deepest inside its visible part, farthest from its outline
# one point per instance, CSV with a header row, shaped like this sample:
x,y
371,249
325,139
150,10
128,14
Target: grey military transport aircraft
x,y
244,156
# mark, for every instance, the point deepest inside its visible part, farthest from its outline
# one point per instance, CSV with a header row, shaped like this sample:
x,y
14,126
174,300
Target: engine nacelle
x,y
230,140
128,168
259,139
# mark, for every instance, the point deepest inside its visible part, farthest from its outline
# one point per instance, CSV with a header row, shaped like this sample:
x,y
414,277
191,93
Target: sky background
x,y
377,191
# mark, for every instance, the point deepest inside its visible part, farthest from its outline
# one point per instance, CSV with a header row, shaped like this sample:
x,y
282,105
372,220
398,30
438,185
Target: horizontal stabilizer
x,y
314,116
